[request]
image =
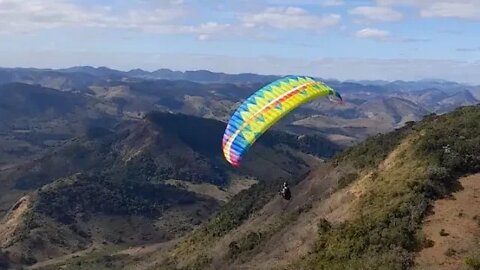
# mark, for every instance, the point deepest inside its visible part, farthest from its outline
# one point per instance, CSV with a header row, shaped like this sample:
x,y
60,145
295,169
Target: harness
x,y
286,193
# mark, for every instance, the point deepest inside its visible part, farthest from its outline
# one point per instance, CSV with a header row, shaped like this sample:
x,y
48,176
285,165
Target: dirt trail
x,y
461,230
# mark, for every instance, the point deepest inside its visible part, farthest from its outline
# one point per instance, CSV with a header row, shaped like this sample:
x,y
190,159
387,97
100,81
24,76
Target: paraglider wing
x,y
264,108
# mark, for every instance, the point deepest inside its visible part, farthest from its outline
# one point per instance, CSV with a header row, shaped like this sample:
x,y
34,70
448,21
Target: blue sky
x,y
378,39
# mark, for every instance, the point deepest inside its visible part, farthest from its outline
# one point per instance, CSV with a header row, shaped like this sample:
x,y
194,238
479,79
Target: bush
x,y
440,174
443,233
323,226
477,219
452,141
373,150
472,262
346,179
245,244
199,263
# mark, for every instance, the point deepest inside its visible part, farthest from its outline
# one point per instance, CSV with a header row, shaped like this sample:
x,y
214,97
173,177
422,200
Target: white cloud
x,y
372,33
203,37
383,14
151,18
289,17
26,16
330,3
465,10
154,22
401,2
462,9
206,30
18,16
299,2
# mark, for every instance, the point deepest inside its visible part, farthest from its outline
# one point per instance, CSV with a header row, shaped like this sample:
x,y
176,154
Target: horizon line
x,y
233,74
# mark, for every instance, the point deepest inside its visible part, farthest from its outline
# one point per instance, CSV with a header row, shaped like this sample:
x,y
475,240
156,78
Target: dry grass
x,y
14,221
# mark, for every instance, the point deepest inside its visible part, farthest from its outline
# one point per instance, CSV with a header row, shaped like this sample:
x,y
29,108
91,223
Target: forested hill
x,y
140,182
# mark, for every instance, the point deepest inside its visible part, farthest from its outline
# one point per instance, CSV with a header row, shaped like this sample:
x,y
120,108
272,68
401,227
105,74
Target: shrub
x,y
443,233
245,244
472,262
200,262
323,226
440,174
346,179
373,150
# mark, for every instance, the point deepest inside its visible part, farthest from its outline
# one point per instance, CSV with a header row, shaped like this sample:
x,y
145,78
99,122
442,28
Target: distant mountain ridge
x,y
206,76
202,76
103,96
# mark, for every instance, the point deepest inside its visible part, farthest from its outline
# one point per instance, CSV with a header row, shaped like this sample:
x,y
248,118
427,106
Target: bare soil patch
x,y
454,228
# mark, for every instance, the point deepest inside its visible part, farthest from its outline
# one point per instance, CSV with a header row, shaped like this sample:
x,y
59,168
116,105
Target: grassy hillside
x,y
424,166
363,213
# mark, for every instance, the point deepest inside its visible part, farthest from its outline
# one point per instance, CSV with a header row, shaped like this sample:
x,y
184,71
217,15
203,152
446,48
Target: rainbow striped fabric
x,y
264,108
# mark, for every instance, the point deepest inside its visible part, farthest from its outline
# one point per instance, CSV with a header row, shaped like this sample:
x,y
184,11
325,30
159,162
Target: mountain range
x,y
101,168
74,99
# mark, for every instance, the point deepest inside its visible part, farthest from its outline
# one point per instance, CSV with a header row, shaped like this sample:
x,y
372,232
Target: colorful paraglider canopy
x,y
266,107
